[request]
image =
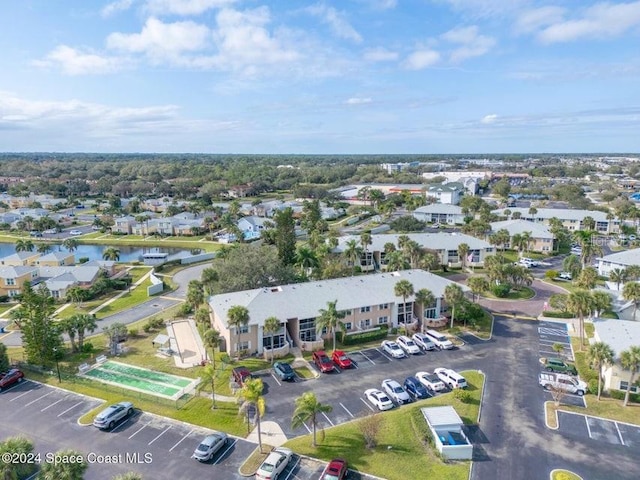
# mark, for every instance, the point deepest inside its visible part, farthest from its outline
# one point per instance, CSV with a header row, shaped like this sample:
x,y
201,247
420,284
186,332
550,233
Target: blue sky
x,y
332,76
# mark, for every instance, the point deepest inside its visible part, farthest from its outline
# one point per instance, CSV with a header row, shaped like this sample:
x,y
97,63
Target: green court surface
x,y
133,383
145,374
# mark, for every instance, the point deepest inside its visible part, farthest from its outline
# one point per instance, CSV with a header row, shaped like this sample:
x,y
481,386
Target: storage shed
x,y
447,429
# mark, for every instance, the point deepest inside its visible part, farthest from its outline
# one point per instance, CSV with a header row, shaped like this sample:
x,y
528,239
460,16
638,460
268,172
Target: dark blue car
x,y
413,386
284,371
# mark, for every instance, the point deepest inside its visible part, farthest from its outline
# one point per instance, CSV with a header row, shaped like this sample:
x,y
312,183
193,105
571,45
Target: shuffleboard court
x,y
132,382
151,375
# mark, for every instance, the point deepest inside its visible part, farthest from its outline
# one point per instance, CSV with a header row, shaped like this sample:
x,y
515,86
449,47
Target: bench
x,y
84,368
101,359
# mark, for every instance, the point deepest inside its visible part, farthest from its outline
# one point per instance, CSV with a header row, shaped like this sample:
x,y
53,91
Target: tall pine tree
x,y
285,236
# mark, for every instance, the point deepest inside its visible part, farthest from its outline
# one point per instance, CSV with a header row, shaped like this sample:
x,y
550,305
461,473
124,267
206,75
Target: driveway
x,y
526,308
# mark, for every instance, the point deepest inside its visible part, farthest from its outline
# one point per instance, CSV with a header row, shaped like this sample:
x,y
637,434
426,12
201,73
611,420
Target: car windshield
x,y
330,476
432,378
394,346
409,343
285,367
203,447
266,467
397,389
343,358
325,360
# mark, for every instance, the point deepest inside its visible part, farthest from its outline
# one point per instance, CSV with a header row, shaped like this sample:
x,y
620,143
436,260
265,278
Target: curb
x,y
546,417
563,470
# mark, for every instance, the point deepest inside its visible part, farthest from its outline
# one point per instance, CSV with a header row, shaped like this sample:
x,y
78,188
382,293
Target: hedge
x,y
365,336
557,314
619,395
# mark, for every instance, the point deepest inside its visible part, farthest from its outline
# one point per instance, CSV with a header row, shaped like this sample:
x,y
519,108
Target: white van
x,y
451,378
440,341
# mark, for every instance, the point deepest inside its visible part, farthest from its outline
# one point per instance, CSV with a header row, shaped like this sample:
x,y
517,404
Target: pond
x,y
94,252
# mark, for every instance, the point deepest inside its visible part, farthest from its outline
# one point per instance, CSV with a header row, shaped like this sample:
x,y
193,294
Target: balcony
x,y
279,352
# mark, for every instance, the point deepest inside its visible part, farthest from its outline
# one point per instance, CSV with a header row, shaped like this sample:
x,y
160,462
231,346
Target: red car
x,y
341,359
9,378
323,362
336,470
240,374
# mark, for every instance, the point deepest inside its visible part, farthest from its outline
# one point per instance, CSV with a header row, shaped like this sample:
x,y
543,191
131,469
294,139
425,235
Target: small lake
x,y
94,252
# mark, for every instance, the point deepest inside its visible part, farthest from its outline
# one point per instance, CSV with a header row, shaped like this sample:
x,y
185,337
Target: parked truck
x,y
563,382
10,377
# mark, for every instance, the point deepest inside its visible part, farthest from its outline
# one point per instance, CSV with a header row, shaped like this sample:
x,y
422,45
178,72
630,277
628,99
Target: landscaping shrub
x,y
87,347
133,332
147,327
593,386
556,314
365,337
619,395
502,290
462,395
156,322
4,298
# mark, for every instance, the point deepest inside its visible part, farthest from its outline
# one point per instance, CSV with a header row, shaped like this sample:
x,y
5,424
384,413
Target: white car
x,y
431,381
378,399
423,341
274,464
451,378
441,341
75,232
530,262
395,391
393,349
50,231
565,275
208,447
408,345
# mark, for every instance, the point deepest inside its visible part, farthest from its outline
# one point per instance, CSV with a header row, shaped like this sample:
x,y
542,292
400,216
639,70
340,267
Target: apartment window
x,y
365,309
405,310
11,281
624,385
346,312
278,341
348,326
365,323
242,329
13,293
324,330
383,306
452,256
240,346
383,320
308,330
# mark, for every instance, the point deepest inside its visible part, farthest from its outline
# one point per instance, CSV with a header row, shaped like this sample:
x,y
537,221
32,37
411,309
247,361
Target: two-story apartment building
x,y
618,260
369,302
571,219
20,259
442,213
619,335
449,193
56,259
13,278
541,239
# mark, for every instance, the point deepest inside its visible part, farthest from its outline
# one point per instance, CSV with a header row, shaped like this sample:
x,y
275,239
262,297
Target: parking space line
x,y
586,420
384,354
161,433
54,403
39,398
347,410
619,434
305,426
366,356
274,377
126,420
292,469
139,430
69,409
221,456
367,404
21,395
328,419
181,440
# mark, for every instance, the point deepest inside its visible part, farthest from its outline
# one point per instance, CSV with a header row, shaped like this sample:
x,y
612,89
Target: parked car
x,y
274,464
50,231
563,382
209,446
240,374
35,233
529,261
565,275
393,349
336,470
431,381
414,388
451,378
111,415
284,371
323,362
10,377
558,365
440,340
75,232
378,399
423,341
408,345
341,360
395,391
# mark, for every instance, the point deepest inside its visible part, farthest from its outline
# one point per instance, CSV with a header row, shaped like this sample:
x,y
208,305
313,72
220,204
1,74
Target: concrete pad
x,y
188,342
271,433
573,425
630,435
604,430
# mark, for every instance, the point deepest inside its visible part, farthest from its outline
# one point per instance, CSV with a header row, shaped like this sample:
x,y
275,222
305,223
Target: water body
x,y
94,252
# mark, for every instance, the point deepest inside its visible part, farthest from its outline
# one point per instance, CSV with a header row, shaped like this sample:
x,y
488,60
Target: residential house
x,y
123,225
541,239
12,279
85,275
619,260
369,303
240,191
20,259
392,168
107,266
449,193
442,213
56,259
619,335
570,218
251,226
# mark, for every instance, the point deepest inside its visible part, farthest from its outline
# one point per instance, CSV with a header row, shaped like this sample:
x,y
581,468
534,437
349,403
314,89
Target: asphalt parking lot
x,y
598,429
551,333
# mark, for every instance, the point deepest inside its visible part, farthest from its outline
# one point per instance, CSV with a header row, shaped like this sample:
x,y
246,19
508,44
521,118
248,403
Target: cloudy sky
x,y
328,76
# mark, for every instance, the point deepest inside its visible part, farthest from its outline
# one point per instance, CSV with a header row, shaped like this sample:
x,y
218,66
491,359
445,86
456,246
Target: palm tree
x,y
64,470
463,251
573,265
44,248
211,339
413,251
516,243
618,276
580,303
84,323
195,293
71,244
396,261
208,377
252,400
587,279
306,259
238,318
209,279
453,295
478,285
525,238
271,327
24,245
129,476
404,289
307,409
352,252
630,360
631,293
424,297
600,354
601,302
112,254
632,272
331,319
75,294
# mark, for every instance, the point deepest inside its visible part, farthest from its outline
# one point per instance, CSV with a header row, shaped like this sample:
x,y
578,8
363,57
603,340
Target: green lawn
x,y
6,306
138,272
98,238
401,450
564,475
525,293
482,328
130,299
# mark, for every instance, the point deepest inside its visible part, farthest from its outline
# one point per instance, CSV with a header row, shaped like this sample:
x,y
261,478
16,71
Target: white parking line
x,y
367,404
277,381
21,395
39,398
122,424
221,456
619,434
305,426
70,408
365,356
139,430
384,355
292,469
161,433
347,410
181,440
586,420
54,403
328,419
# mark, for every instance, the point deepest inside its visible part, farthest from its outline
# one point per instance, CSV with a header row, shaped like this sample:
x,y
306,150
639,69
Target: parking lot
x,y
551,333
598,429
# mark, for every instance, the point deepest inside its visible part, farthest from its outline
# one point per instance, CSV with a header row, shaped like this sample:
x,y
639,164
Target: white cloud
x,y
532,20
485,8
380,55
162,41
184,7
599,21
381,4
472,44
115,7
74,62
358,100
337,21
421,59
489,119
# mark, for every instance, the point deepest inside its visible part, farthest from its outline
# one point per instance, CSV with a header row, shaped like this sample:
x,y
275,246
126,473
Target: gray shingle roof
x,y
15,272
618,334
559,213
434,241
442,208
520,226
627,257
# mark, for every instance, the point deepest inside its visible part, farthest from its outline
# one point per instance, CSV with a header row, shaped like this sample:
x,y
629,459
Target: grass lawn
x,y
569,286
401,450
6,306
482,328
253,462
304,372
564,475
98,238
525,293
130,299
138,272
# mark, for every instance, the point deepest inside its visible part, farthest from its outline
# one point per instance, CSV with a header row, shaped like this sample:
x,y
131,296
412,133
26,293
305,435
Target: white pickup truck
x,y
564,382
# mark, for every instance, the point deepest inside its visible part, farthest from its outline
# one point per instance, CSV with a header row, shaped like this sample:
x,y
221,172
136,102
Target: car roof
x,y
338,352
319,352
390,381
211,439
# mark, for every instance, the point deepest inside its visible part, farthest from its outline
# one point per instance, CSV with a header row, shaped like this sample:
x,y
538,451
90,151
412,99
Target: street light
x,y
55,351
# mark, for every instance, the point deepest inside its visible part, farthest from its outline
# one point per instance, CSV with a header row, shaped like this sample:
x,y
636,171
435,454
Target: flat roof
x,y
618,334
627,257
440,416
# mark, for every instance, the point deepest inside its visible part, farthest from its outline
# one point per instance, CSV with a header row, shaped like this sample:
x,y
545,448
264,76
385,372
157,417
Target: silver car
x,y
209,446
112,415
